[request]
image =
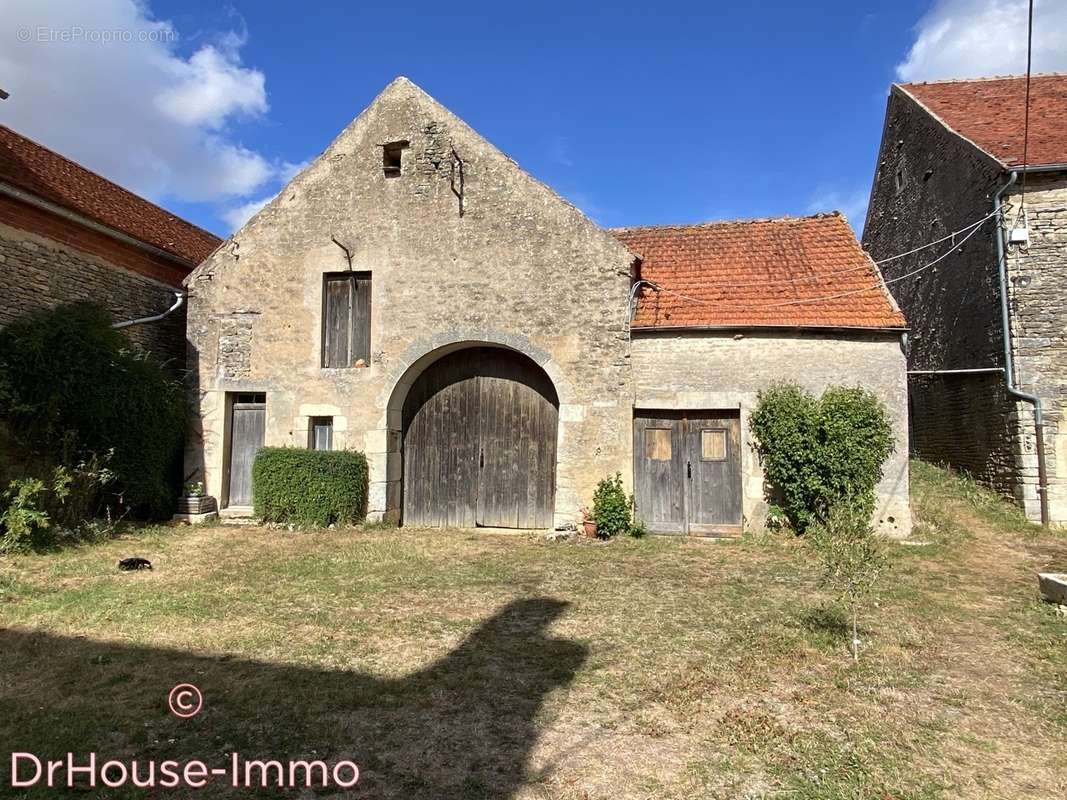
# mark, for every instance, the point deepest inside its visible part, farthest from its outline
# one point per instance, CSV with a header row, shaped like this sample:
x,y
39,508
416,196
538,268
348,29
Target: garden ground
x,y
459,664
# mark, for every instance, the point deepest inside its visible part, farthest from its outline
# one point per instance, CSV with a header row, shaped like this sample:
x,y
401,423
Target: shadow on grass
x,y
463,727
829,622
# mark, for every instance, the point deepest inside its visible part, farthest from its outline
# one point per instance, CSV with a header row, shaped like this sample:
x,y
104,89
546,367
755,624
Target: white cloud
x,y
103,84
978,38
852,203
213,85
237,216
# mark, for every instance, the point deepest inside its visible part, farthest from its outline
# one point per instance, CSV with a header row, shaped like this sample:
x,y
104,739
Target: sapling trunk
x,y
855,636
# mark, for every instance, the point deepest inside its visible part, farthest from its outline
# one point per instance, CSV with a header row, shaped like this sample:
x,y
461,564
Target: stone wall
x,y
718,371
1037,290
463,248
971,418
929,183
38,272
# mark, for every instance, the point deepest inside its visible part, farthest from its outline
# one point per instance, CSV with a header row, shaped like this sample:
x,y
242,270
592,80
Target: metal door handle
x,y
481,459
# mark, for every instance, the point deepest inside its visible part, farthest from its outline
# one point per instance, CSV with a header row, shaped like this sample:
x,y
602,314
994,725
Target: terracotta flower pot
x,y
590,528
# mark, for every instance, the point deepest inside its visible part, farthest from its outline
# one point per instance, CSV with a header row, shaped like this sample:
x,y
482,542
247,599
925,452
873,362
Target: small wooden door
x,y
687,471
480,442
713,449
659,452
248,418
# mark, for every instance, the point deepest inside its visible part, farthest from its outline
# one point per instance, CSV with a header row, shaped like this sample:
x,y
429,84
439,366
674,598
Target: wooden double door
x,y
687,471
479,442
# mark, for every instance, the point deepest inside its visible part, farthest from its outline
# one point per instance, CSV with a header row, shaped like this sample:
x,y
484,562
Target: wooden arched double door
x,y
479,442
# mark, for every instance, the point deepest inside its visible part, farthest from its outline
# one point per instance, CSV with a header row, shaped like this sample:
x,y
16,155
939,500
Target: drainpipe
x,y
179,298
1009,370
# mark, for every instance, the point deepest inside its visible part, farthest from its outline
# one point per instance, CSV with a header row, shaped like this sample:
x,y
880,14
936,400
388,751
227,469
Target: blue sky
x,y
639,113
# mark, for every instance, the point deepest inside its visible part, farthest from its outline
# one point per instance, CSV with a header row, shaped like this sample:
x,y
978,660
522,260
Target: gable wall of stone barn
x,y
520,268
47,261
1037,279
952,309
725,370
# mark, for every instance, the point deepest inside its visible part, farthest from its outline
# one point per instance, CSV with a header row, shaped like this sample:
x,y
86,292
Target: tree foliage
x,y
818,451
72,389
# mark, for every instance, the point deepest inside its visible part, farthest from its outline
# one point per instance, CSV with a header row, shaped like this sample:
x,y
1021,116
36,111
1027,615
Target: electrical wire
x,y
952,235
824,275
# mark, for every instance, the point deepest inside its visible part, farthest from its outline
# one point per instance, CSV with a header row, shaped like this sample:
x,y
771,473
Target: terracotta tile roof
x,y
39,171
751,273
990,113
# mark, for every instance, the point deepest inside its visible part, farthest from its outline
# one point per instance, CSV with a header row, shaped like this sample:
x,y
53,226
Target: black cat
x,y
135,563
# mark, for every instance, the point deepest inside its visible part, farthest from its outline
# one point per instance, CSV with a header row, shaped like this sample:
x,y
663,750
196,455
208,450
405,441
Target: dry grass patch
x,y
470,665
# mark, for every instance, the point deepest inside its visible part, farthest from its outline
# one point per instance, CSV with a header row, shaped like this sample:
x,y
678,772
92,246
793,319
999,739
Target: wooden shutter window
x,y
346,319
713,444
658,444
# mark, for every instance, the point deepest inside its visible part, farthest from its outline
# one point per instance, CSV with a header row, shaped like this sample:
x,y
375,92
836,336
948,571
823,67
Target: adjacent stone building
x,y
67,234
952,171
416,295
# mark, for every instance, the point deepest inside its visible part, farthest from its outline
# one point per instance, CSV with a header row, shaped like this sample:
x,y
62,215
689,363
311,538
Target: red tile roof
x,y
807,272
48,175
990,112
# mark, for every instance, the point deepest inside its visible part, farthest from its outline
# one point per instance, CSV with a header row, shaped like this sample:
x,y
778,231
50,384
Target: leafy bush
x,y
611,507
853,556
73,389
35,513
818,451
23,521
309,487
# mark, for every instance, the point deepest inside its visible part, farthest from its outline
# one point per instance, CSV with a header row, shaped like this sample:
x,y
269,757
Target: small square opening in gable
x,y
392,158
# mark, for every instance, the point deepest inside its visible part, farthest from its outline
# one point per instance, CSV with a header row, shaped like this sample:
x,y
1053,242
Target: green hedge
x,y
309,487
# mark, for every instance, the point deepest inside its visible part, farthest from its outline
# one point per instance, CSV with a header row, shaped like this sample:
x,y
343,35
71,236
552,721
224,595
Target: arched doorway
x,y
479,442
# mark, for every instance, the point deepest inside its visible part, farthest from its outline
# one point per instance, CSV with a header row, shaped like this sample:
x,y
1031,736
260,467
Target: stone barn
x,y
958,185
414,294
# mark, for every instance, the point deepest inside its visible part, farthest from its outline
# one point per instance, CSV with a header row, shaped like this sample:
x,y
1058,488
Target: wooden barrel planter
x,y
196,505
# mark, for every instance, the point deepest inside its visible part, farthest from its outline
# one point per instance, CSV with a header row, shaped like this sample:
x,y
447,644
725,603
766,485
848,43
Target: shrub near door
x,y
309,487
818,451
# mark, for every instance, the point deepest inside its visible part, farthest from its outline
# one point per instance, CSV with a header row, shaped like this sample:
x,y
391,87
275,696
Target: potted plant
x,y
193,500
588,524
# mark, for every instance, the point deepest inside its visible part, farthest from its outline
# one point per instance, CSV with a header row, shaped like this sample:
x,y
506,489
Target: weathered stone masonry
x,y
520,268
37,272
930,182
1037,275
726,370
966,421
463,249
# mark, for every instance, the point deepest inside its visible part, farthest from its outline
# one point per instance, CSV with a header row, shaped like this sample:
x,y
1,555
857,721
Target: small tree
x,y
853,557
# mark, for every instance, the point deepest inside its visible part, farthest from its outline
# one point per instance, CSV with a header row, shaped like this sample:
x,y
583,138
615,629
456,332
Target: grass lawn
x,y
457,664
